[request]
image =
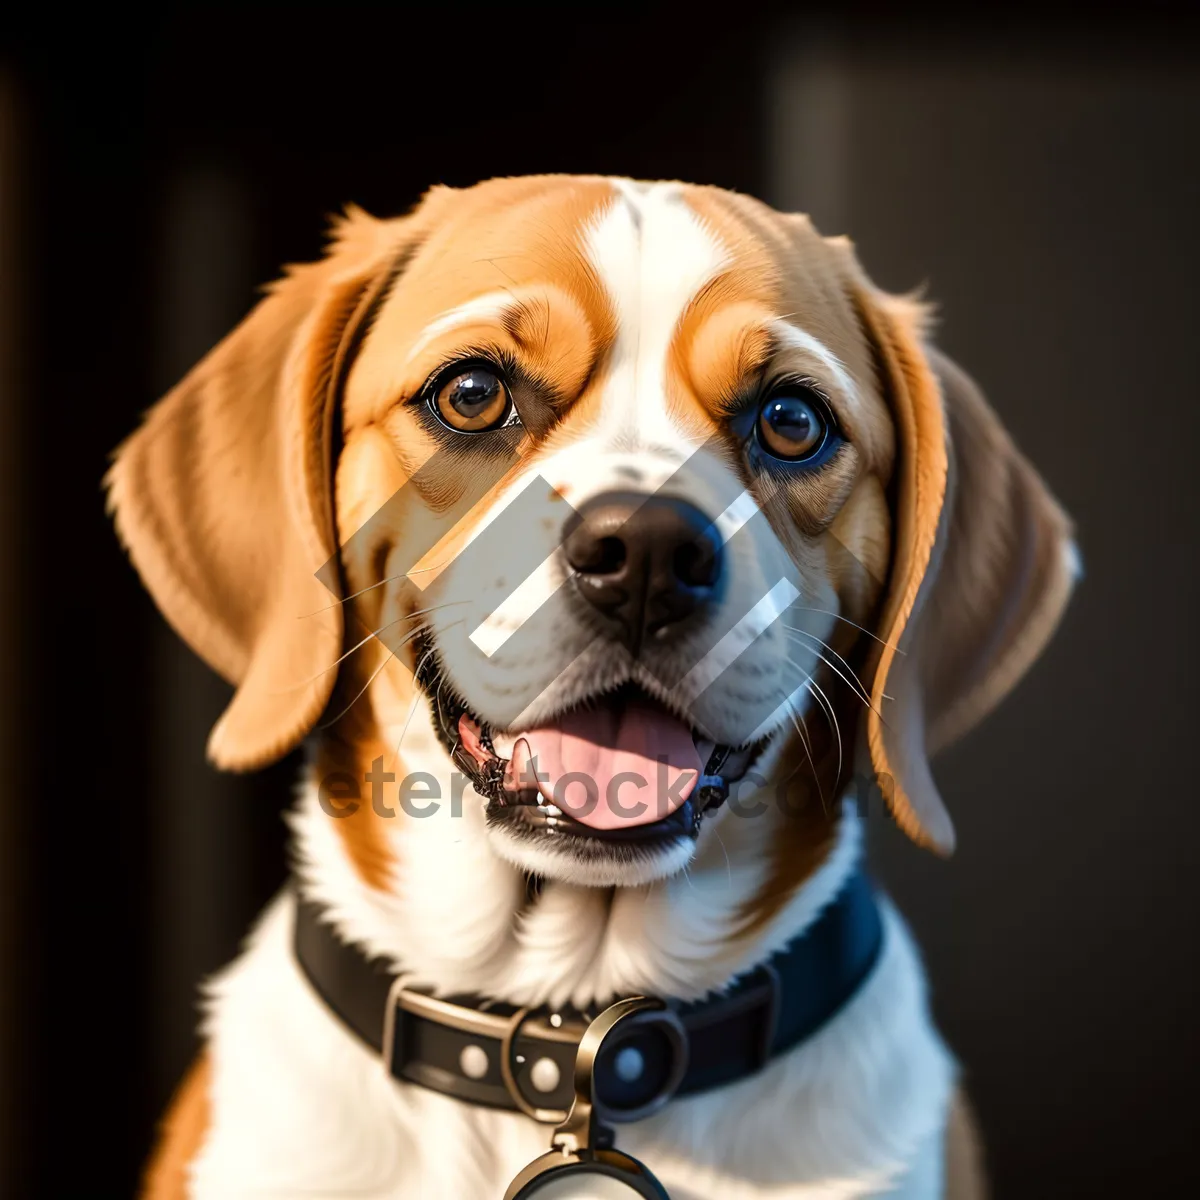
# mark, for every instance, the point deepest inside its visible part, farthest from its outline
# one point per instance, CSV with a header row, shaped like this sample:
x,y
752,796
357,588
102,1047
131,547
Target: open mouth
x,y
619,770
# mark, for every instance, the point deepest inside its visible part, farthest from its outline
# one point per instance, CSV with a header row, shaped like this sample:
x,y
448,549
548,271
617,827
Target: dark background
x,y
1041,178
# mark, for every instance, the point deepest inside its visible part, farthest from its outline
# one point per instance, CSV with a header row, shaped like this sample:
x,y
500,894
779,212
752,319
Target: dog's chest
x,y
301,1108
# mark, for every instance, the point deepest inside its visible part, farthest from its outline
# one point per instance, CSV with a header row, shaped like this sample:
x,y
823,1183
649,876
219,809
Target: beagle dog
x,y
613,547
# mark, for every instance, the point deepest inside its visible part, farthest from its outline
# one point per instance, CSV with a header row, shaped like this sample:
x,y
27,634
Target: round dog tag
x,y
593,1175
581,1163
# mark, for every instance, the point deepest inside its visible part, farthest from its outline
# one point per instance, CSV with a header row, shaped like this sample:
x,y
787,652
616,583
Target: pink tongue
x,y
610,769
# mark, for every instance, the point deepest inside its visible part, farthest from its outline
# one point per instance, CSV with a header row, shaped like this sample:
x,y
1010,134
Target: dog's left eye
x,y
793,423
472,400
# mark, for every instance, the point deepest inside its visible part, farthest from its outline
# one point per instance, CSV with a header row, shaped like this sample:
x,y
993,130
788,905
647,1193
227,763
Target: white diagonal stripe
x,y
736,515
515,609
739,637
476,521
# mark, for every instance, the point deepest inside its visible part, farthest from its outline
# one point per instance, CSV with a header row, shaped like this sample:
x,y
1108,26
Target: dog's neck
x,y
430,894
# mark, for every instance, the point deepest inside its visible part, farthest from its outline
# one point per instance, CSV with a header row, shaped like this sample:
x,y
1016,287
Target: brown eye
x,y
472,400
792,424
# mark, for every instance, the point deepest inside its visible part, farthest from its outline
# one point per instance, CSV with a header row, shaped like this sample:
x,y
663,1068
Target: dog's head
x,y
616,495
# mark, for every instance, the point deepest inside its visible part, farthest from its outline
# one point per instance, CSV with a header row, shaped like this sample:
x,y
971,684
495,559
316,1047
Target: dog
x,y
611,546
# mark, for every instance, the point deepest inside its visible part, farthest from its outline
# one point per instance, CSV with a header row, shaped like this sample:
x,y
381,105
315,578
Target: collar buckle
x,y
476,1055
566,1034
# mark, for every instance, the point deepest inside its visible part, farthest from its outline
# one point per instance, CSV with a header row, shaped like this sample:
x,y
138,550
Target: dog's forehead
x,y
629,263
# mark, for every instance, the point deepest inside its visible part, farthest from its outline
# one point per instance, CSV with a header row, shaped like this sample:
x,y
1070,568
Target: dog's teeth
x,y
503,744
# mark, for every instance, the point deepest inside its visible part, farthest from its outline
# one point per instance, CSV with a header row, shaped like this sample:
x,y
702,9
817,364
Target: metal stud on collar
x,y
582,1163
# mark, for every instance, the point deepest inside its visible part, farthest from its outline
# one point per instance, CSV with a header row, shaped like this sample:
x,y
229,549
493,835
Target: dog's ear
x,y
982,566
223,496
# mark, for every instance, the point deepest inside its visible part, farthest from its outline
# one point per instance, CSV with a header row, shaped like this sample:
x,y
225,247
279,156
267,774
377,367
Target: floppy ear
x,y
982,566
223,496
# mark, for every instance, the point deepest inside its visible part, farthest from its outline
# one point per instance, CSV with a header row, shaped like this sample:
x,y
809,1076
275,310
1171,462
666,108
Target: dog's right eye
x,y
472,400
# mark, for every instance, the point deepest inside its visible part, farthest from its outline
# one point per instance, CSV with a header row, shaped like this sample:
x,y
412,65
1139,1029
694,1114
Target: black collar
x,y
492,1053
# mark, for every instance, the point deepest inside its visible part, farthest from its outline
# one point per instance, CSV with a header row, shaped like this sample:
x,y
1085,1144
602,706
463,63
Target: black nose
x,y
646,561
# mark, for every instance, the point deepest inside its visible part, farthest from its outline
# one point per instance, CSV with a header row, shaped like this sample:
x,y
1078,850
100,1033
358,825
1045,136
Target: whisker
x,y
374,675
418,697
852,681
799,666
728,864
815,690
838,616
376,632
792,715
424,659
787,700
372,586
441,684
404,728
853,677
361,692
353,595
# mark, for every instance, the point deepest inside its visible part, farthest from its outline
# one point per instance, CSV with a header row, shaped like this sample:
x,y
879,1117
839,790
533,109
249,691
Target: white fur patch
x,y
653,255
831,367
478,308
748,629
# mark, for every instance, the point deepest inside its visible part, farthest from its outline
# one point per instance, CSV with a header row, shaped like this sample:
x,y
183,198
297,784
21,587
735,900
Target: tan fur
x,y
343,757
980,572
222,498
181,1134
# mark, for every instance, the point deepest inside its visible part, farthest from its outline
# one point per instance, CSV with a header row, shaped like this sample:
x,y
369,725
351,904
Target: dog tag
x,y
581,1163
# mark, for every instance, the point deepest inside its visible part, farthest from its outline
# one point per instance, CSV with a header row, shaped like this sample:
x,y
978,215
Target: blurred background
x,y
1040,176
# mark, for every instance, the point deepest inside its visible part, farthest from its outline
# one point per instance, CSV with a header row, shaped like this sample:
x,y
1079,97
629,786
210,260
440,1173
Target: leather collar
x,y
495,1054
